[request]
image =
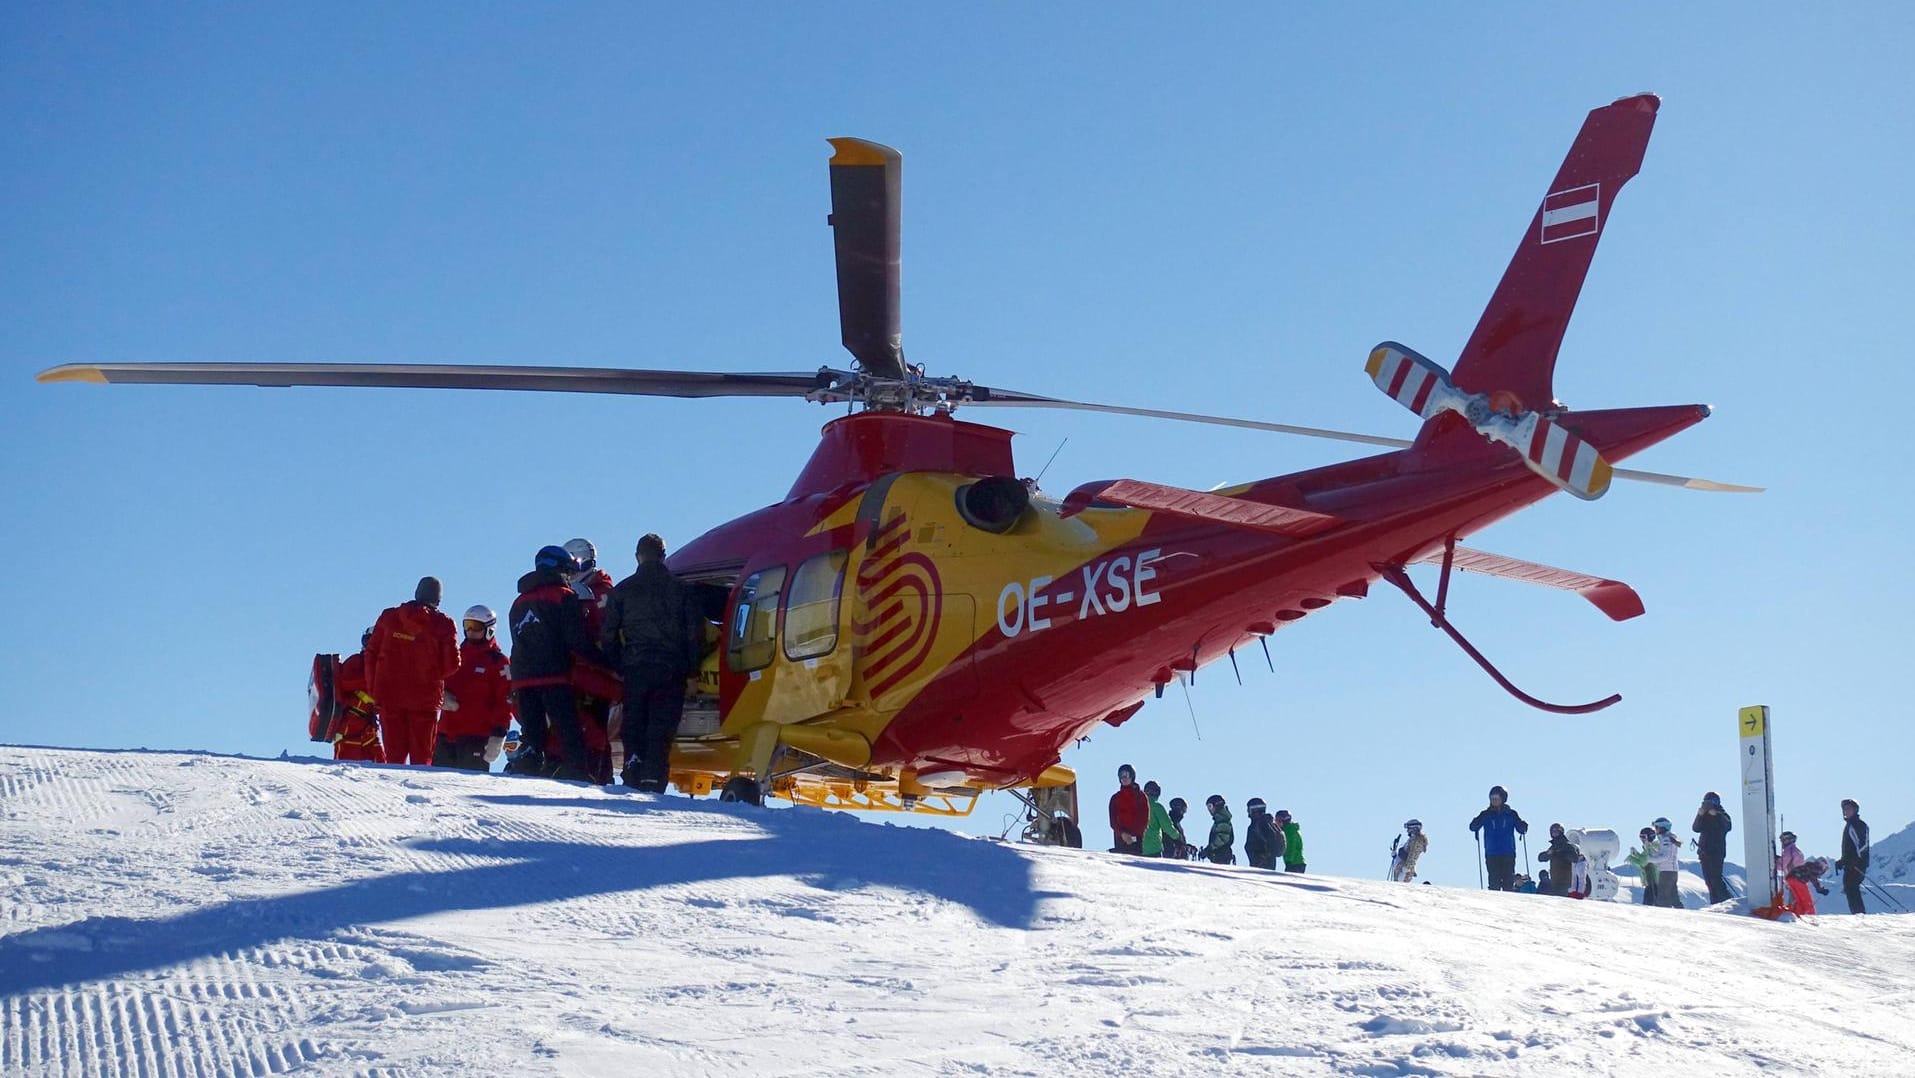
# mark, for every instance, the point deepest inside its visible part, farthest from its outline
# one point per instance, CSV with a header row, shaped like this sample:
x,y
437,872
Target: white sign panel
x,y
1758,805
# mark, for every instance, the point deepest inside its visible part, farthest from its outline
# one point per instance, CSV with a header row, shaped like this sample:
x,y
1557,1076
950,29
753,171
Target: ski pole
x,y
1479,860
1882,892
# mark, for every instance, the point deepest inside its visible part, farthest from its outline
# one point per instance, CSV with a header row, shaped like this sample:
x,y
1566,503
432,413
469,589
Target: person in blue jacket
x,y
1497,826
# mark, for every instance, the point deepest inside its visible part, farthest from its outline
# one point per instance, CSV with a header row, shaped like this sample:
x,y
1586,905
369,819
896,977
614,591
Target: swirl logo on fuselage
x,y
900,598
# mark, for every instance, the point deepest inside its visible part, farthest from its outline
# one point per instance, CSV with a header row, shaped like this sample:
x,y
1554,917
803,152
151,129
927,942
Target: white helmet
x,y
483,615
584,551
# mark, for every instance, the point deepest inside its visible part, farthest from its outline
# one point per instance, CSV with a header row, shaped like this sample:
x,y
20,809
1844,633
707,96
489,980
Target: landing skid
x,y
1396,575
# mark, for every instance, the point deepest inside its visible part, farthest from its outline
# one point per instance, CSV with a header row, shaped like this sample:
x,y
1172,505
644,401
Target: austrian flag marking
x,y
1571,213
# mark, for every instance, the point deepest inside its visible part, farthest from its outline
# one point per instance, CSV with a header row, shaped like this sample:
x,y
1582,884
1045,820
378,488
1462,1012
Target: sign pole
x,y
1758,807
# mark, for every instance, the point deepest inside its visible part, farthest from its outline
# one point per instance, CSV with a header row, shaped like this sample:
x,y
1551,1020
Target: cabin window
x,y
754,619
811,613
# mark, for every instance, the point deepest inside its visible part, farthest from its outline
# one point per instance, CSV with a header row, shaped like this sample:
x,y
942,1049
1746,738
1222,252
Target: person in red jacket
x,y
478,699
1129,813
357,735
414,649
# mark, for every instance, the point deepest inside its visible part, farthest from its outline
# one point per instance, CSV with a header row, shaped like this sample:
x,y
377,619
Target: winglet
x,y
72,372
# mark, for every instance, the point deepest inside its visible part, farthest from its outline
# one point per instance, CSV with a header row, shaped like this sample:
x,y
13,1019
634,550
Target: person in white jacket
x,y
1665,855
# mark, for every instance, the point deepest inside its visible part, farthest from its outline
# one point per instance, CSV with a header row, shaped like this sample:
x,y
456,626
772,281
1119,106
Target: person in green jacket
x,y
1160,831
1646,868
1222,835
1292,842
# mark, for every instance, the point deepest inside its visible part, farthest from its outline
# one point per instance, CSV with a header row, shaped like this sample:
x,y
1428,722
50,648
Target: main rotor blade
x,y
443,376
1010,398
865,185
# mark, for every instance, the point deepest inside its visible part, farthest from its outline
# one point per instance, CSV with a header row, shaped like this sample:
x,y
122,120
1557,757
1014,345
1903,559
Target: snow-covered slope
x,y
168,914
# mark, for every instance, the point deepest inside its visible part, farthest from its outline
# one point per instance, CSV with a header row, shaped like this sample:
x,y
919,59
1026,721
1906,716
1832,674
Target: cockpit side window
x,y
811,611
754,620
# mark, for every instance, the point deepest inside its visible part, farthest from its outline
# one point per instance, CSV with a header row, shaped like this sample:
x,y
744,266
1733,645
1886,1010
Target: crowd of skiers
x,y
596,676
1143,825
1657,859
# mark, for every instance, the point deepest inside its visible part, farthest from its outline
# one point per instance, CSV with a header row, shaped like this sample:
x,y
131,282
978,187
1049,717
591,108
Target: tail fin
x,y
1512,353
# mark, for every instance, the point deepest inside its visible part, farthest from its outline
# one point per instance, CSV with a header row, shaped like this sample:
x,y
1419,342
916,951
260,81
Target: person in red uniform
x,y
357,735
1129,813
478,699
414,649
594,685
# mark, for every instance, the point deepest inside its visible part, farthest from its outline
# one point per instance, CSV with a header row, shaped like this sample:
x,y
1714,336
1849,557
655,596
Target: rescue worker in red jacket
x,y
1129,813
594,685
357,735
414,649
478,699
548,636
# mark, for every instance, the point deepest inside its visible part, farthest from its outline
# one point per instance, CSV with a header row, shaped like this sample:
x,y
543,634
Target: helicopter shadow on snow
x,y
818,849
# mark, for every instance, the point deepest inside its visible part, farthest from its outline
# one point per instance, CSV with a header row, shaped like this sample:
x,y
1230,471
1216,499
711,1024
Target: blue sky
x,y
1208,211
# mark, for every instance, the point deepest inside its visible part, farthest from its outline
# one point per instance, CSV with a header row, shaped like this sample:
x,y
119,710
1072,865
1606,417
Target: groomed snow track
x,y
171,915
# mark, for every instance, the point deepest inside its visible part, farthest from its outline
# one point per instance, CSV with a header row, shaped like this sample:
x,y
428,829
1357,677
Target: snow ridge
x,y
168,914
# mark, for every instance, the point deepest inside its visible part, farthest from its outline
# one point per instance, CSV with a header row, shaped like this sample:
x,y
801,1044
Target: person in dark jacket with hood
x,y
1222,835
1561,856
548,635
1855,854
1712,826
1180,848
1498,825
654,632
1262,842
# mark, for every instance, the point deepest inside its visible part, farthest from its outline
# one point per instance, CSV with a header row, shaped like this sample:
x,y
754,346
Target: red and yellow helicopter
x,y
914,624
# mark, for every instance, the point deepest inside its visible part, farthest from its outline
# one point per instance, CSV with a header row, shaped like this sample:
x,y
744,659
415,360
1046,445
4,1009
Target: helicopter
x,y
914,624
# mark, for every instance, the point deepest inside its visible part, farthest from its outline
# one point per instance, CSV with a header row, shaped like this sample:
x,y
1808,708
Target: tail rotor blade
x,y
865,224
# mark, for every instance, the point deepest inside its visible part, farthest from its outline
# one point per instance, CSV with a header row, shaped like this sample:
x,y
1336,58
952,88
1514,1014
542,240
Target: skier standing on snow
x,y
1262,842
1667,856
1561,854
1712,826
1129,813
1292,848
1404,870
1161,833
1222,835
1788,864
1180,848
479,695
1498,825
414,648
1645,865
1855,854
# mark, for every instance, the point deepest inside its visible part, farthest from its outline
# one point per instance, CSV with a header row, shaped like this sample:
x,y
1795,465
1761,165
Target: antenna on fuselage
x,y
1190,707
1047,464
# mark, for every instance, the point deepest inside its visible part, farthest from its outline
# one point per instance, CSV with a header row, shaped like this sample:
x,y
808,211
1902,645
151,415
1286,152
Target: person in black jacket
x,y
548,633
1561,856
1854,862
654,631
1712,826
1262,842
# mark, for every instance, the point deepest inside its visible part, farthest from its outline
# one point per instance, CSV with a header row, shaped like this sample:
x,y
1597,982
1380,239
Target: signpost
x,y
1758,807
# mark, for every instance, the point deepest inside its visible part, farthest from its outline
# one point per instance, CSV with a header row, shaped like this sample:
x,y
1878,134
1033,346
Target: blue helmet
x,y
555,557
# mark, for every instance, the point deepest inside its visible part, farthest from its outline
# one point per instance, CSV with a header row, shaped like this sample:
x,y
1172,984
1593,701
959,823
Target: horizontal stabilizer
x,y
1197,505
1612,597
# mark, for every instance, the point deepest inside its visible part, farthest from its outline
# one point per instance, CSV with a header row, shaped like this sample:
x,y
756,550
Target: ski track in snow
x,y
171,915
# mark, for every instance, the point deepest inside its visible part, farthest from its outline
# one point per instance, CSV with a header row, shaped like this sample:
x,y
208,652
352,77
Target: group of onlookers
x,y
1658,859
1143,825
